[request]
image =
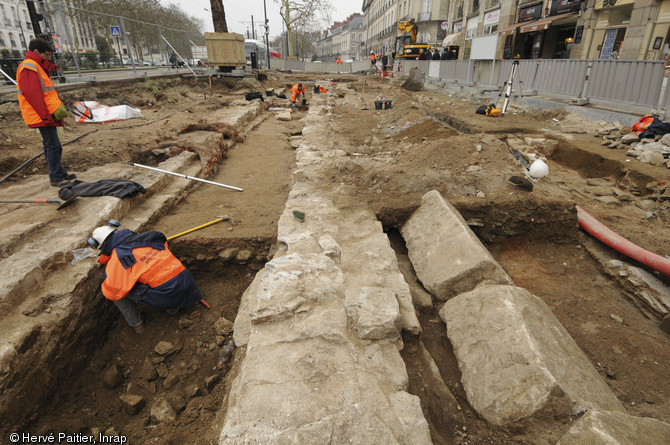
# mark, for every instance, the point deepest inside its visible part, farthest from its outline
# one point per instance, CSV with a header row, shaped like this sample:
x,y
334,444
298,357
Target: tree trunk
x,y
218,16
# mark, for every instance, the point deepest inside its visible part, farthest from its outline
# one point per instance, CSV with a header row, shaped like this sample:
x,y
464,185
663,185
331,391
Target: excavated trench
x,y
191,378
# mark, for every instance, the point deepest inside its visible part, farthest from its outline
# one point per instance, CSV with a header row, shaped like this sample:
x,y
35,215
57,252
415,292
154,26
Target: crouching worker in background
x,y
141,269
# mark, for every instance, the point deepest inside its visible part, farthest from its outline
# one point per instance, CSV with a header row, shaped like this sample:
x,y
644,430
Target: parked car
x,y
137,62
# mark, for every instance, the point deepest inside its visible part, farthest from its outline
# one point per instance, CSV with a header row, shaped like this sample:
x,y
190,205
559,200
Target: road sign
x,y
444,25
115,31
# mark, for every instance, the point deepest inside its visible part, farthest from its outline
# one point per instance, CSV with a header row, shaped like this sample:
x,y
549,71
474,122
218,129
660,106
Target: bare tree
x,y
218,16
298,14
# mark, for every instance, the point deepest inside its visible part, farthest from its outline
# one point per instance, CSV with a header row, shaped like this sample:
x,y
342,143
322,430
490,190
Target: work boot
x,y
70,177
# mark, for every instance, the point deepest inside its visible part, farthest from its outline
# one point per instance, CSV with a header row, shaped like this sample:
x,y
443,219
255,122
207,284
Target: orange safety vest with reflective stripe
x,y
642,124
295,92
51,98
153,267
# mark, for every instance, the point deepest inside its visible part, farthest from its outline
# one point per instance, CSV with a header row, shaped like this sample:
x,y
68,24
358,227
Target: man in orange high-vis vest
x,y
139,268
39,101
296,91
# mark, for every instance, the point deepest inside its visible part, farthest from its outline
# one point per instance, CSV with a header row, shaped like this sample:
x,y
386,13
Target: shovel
x,y
60,203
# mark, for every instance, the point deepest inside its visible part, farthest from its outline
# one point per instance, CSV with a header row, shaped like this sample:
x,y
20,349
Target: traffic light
x,y
35,18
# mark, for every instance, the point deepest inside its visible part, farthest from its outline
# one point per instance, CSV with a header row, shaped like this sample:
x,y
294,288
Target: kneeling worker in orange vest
x,y
296,91
140,268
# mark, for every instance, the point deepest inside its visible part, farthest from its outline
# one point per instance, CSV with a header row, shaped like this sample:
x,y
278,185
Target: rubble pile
x,y
655,151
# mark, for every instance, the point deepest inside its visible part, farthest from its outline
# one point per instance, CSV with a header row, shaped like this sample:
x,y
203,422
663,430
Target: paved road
x,y
102,75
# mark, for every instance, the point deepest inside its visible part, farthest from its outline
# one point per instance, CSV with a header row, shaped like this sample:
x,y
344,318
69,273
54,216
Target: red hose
x,y
621,244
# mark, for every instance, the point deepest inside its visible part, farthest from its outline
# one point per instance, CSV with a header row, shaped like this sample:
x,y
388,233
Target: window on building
x,y
12,41
494,3
2,41
23,41
475,6
4,15
490,29
15,14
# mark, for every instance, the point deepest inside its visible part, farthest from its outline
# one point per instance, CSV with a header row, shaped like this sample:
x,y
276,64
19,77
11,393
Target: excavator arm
x,y
409,27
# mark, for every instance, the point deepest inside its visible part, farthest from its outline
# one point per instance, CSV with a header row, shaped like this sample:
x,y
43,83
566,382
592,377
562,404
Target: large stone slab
x,y
447,256
517,359
317,391
614,428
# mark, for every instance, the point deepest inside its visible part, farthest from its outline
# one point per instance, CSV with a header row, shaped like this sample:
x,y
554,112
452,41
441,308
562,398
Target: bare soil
x,y
427,140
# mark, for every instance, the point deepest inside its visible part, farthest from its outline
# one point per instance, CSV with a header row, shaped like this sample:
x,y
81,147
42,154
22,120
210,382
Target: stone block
x,y
447,256
613,428
293,283
517,359
374,312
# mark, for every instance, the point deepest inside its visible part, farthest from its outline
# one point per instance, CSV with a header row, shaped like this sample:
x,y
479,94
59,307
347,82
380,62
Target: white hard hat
x,y
372,52
539,169
101,233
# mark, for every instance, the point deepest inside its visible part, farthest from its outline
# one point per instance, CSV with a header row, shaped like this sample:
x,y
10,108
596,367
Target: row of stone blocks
x,y
516,359
320,325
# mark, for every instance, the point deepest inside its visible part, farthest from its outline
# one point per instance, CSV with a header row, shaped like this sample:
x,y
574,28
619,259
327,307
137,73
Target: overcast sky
x,y
239,12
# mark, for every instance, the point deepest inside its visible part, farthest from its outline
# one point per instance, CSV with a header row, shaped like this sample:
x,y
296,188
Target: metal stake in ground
x,y
185,176
60,203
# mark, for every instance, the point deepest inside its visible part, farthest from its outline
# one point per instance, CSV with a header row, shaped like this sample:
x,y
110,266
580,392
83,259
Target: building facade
x,y
16,29
578,29
65,28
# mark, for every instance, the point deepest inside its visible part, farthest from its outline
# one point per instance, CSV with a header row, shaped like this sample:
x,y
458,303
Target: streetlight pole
x,y
267,37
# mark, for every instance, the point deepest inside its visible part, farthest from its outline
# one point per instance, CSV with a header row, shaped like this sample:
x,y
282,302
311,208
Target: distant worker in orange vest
x,y
295,92
373,60
41,107
338,60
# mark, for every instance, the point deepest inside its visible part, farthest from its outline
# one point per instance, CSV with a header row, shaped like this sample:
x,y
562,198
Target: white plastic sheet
x,y
93,112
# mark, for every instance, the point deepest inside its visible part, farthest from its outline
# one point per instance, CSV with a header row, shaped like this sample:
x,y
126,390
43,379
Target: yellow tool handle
x,y
196,228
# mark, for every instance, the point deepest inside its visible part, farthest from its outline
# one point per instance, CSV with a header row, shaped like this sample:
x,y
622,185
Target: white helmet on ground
x,y
539,169
102,233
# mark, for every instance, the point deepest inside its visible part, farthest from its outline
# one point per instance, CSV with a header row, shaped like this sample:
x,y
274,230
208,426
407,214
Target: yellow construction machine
x,y
405,45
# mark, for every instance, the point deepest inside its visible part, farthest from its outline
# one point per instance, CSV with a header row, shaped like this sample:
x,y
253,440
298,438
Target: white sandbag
x,y
91,111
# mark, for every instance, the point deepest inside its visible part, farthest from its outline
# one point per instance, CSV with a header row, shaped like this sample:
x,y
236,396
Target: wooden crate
x,y
225,49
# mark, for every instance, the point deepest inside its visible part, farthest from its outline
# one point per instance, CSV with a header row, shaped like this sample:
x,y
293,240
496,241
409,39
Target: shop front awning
x,y
451,40
509,30
542,24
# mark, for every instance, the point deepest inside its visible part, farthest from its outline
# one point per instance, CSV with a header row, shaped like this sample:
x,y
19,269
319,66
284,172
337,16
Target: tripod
x,y
507,86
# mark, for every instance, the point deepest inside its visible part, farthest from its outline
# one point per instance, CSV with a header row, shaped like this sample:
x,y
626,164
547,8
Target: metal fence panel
x,y
463,70
448,70
407,65
632,81
295,65
278,64
486,71
359,66
665,103
564,76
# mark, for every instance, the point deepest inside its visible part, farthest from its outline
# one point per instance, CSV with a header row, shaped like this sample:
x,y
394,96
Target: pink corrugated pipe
x,y
621,244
